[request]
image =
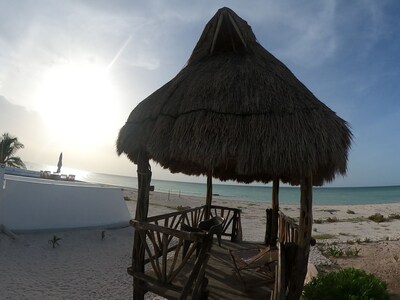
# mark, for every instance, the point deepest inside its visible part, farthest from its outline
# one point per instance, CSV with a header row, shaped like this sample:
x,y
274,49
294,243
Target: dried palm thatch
x,y
237,111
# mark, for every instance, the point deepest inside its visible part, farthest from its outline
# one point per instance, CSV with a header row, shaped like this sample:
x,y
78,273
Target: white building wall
x,y
35,204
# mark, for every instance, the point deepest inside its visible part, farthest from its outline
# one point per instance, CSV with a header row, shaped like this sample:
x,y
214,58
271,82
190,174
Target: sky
x,y
72,71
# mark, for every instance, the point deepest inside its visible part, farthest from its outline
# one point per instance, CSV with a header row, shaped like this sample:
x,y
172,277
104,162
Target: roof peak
x,y
225,32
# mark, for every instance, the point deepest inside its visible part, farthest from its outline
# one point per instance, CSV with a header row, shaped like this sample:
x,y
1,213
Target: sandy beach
x,y
87,266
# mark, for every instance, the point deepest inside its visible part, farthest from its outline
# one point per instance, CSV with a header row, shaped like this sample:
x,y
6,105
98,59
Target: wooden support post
x,y
209,196
268,226
142,207
275,212
299,270
144,179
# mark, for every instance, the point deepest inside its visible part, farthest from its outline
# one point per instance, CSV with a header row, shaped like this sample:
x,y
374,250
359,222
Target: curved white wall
x,y
31,204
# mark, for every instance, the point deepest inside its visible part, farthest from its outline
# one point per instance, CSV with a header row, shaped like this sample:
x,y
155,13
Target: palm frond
x,y
15,162
9,145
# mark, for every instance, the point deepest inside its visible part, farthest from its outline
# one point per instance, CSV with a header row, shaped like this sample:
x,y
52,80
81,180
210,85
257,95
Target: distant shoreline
x,y
241,192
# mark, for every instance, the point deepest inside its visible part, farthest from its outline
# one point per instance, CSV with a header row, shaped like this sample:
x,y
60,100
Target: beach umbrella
x,y
59,164
235,112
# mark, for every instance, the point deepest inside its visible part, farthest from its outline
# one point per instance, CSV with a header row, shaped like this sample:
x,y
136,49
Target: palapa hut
x,y
235,112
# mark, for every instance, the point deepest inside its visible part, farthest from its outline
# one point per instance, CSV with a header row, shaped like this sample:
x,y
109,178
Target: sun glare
x,y
77,101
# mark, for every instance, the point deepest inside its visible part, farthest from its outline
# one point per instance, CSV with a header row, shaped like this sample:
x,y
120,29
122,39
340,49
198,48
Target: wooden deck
x,y
223,281
163,266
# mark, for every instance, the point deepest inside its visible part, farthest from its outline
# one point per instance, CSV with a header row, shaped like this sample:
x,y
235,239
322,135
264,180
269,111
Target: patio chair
x,y
258,262
211,226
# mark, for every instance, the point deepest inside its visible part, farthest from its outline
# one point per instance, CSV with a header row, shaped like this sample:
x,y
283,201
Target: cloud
x,y
26,125
297,33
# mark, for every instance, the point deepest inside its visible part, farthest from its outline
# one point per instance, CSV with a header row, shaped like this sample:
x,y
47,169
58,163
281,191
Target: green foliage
x,y
339,252
352,251
180,207
54,241
332,220
378,218
324,236
8,146
394,217
334,251
344,234
346,284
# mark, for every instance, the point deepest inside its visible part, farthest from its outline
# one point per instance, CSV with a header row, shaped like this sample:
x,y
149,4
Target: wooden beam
x,y
299,270
216,33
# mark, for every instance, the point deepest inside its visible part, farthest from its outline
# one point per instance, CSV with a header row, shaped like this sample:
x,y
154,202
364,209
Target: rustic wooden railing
x,y
288,230
232,226
165,261
163,249
287,241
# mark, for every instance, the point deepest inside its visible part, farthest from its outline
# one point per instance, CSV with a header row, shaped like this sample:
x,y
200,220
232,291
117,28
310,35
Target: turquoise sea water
x,y
287,195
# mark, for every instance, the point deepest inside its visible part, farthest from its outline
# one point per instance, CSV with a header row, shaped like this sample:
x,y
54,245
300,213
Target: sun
x,y
77,100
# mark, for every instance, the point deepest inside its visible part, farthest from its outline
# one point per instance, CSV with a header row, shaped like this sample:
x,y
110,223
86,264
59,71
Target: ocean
x,y
287,195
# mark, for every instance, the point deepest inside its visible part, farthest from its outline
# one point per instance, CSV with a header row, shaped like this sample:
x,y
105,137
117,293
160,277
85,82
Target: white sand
x,y
83,267
86,267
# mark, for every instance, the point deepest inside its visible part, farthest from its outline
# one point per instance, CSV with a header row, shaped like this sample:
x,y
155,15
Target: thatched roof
x,y
237,110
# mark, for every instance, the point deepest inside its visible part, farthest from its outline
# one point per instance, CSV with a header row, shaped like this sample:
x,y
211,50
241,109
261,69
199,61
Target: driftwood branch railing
x,y
287,242
233,224
162,252
232,227
167,270
288,230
